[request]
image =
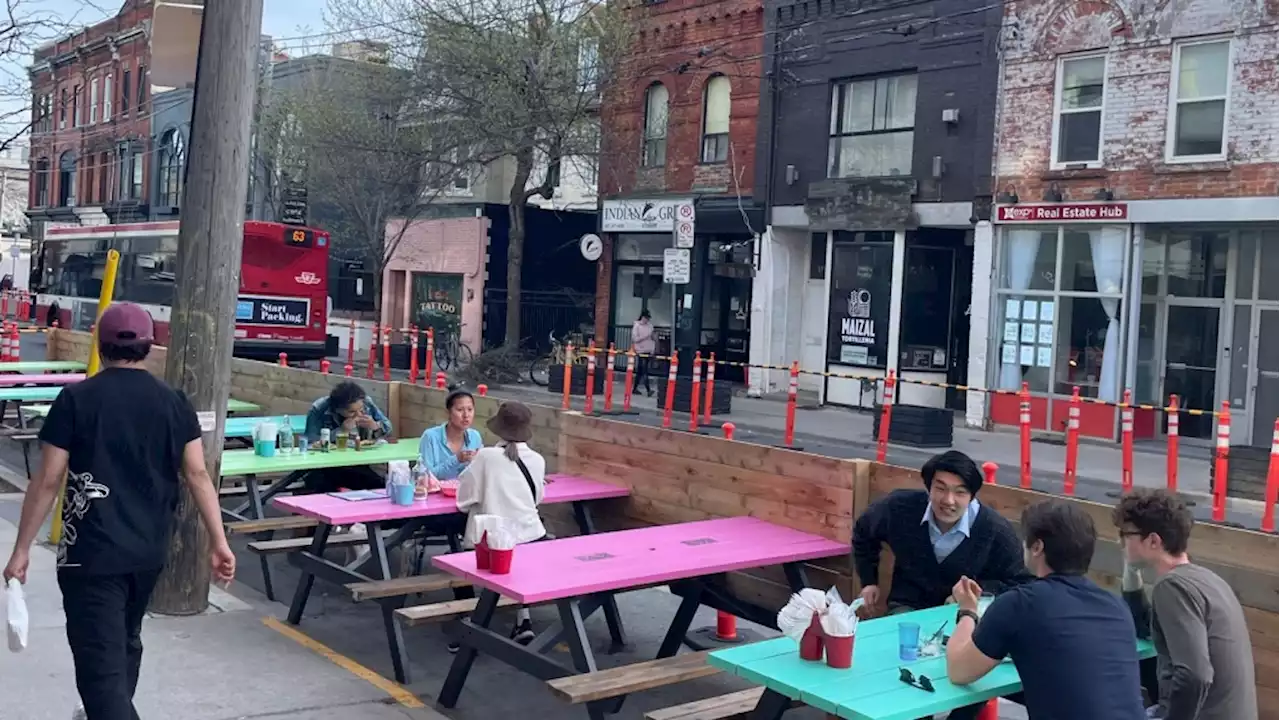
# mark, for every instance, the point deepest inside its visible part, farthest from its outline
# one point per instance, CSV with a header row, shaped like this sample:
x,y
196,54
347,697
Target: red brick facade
x,y
110,49
1138,41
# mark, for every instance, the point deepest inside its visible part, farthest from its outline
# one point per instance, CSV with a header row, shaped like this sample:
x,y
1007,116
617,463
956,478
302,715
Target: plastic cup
x,y
265,448
482,553
839,651
908,641
402,494
500,561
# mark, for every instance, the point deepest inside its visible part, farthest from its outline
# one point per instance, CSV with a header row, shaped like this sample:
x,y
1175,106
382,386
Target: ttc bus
x,y
284,282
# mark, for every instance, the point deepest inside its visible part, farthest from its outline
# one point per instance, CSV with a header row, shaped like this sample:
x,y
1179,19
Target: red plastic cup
x,y
500,561
839,651
482,552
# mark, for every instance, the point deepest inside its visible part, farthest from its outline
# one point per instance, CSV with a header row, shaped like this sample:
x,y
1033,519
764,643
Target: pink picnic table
x,y
41,379
582,574
334,511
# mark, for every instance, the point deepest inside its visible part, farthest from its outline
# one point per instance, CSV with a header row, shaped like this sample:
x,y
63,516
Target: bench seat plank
x,y
717,708
270,547
290,522
604,684
441,611
412,585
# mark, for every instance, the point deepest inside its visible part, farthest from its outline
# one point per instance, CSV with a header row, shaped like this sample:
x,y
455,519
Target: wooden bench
x,y
400,587
733,705
620,681
252,527
265,548
442,611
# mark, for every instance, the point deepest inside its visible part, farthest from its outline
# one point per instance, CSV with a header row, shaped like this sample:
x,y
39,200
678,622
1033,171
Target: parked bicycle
x,y
451,351
540,368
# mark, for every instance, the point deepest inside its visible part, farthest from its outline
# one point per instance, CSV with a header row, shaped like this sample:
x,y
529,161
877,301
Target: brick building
x,y
679,126
90,147
1136,209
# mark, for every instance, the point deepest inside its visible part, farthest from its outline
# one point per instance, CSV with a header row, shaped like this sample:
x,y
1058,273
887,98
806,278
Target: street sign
x,y
14,251
684,233
675,266
684,211
591,247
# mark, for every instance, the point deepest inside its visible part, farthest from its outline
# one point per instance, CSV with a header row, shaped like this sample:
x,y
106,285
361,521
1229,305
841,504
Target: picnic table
x,y
581,574
872,688
242,427
42,410
331,510
41,379
35,366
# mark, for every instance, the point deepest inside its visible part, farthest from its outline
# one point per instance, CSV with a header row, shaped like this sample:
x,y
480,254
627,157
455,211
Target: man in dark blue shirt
x,y
1073,643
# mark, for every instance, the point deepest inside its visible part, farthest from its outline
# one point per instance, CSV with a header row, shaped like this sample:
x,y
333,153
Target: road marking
x,y
397,691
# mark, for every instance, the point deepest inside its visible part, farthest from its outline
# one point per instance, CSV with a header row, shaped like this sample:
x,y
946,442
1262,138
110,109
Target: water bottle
x,y
286,437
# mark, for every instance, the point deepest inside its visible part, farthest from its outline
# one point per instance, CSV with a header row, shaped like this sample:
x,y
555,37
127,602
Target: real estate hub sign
x,y
1063,212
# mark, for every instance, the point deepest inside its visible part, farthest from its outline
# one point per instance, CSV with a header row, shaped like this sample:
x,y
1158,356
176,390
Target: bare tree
x,y
508,78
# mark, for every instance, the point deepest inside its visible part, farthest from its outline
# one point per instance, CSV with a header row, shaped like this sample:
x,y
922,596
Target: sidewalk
x,y
223,665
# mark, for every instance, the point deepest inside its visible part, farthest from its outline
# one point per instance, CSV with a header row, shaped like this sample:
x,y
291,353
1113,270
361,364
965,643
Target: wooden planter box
x,y
917,426
721,395
1246,472
577,381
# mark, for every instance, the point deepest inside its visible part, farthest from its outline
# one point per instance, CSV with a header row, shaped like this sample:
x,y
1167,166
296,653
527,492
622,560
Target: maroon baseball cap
x,y
126,324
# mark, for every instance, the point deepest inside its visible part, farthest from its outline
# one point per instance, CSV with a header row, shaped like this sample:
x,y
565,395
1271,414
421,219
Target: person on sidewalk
x,y
124,440
347,408
644,344
1204,657
937,535
508,480
1072,642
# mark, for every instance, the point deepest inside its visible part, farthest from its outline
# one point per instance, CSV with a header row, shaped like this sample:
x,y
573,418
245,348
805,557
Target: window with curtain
x,y
655,126
173,160
872,127
715,120
1197,127
1059,309
1077,129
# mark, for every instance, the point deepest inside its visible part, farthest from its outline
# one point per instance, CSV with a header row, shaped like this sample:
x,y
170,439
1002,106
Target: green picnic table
x,y
40,411
871,689
36,366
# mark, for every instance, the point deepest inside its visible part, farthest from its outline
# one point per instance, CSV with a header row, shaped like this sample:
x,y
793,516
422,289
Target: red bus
x,y
284,282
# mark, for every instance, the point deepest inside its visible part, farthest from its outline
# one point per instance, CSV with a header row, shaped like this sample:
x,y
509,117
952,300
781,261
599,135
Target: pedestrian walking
x,y
125,440
643,343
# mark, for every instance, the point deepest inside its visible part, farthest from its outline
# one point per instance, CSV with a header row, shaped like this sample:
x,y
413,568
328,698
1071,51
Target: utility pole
x,y
208,280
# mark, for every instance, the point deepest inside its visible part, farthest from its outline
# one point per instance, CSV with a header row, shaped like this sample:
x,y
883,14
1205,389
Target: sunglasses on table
x,y
921,681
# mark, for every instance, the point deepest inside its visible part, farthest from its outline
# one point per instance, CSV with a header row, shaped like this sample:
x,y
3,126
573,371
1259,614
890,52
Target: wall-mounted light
x,y
791,175
1053,193
937,168
951,116
1008,196
1104,194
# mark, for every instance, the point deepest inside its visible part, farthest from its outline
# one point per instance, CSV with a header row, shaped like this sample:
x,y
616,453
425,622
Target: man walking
x,y
123,438
1204,658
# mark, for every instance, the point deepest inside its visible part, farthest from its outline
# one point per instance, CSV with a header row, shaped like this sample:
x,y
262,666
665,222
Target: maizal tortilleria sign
x,y
640,215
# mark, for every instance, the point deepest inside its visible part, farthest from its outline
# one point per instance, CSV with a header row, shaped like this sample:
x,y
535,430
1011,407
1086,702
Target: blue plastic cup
x,y
908,641
402,494
265,448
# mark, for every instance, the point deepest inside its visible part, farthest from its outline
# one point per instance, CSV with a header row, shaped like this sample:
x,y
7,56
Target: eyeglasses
x,y
921,682
1131,533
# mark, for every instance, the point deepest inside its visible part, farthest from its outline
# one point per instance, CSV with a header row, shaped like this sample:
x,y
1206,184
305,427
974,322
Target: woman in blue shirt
x,y
446,449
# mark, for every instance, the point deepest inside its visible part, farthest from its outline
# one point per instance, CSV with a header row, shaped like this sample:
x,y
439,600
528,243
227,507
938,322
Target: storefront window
x,y
1060,309
858,323
1197,264
640,287
926,308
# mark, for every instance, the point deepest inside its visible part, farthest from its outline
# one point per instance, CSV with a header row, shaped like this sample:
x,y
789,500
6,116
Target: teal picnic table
x,y
36,366
40,411
872,688
242,427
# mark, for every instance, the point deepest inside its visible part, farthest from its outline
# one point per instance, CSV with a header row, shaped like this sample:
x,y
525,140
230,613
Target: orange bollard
x,y
989,711
482,390
15,341
608,379
590,406
695,392
886,417
728,429
431,356
627,380
1073,442
413,355
1126,443
726,626
324,367
1220,464
373,351
351,343
793,392
347,370
568,376
386,354
989,470
672,363
1024,432
4,303
1273,483
25,308
6,352
442,381
284,359
1171,455
709,389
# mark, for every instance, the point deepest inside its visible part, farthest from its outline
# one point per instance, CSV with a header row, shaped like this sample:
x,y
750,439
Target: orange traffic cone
x,y
990,711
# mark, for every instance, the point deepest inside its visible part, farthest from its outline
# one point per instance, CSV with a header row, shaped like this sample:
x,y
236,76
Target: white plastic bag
x,y
17,615
398,473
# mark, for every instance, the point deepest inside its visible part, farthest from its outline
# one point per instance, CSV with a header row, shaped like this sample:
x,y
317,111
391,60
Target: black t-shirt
x,y
1074,645
125,431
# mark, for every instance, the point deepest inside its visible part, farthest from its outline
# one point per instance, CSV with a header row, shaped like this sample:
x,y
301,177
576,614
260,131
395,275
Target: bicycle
x,y
540,368
451,351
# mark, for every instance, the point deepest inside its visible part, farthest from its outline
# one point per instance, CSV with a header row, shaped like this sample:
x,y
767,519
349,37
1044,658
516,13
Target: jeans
x,y
104,630
642,373
359,477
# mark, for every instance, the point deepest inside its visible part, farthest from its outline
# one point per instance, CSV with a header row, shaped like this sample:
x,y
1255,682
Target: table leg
x,y
466,657
617,633
680,623
583,659
307,580
771,706
395,634
797,578
255,499
272,490
582,515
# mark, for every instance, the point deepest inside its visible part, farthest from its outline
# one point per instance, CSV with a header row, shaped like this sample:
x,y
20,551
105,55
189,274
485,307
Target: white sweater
x,y
493,485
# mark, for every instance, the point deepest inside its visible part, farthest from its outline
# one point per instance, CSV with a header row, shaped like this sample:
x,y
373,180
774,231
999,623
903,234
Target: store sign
x,y
859,321
437,301
1060,212
285,312
641,215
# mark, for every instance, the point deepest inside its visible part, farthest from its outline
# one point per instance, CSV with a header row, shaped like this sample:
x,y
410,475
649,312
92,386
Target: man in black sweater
x,y
937,536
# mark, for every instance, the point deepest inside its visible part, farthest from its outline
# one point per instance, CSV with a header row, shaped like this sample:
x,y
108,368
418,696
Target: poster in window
x,y
1028,332
1045,336
1029,310
1008,353
1043,356
1027,355
437,302
1011,332
858,321
1046,311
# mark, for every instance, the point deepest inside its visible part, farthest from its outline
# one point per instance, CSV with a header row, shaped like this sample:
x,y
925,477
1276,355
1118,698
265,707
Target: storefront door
x,y
1265,395
1191,364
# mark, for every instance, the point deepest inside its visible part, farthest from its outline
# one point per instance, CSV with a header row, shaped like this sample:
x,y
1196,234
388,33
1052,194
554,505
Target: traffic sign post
x,y
676,264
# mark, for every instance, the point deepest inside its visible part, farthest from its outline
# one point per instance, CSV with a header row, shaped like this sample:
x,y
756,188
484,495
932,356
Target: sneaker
x,y
523,632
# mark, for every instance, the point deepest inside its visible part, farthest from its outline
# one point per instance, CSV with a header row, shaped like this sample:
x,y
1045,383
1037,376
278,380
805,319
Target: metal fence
x,y
542,313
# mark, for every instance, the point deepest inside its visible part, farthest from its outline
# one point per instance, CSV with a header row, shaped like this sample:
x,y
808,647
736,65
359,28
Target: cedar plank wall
x,y
678,477
1246,559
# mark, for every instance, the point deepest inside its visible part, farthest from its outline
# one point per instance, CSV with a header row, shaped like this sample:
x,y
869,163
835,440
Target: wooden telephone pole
x,y
202,324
